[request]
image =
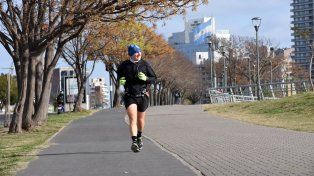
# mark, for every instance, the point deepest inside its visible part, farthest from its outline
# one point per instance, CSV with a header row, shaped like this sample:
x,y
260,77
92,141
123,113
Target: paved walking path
x,y
99,145
219,146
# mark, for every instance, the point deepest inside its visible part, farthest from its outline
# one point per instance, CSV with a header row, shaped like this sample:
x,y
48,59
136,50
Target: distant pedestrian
x,y
60,101
136,75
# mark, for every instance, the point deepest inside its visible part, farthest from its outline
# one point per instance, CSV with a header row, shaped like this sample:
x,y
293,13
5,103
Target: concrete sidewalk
x,y
100,145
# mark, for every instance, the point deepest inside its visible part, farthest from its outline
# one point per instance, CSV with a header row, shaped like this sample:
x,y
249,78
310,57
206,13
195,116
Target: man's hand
x,y
142,76
122,81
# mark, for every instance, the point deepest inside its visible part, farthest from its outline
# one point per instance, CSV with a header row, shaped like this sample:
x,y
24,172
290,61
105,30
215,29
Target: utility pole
x,y
7,108
8,102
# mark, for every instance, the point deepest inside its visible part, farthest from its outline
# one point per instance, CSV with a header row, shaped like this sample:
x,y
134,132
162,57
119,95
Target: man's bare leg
x,y
141,121
132,113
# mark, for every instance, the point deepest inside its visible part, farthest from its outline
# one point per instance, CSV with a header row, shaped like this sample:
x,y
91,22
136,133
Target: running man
x,y
136,75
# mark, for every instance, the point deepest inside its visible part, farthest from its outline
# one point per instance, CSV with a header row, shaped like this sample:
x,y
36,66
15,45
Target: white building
x,y
287,65
192,42
100,93
194,29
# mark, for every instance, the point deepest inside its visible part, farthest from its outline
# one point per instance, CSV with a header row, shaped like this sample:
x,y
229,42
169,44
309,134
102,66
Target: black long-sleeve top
x,y
130,70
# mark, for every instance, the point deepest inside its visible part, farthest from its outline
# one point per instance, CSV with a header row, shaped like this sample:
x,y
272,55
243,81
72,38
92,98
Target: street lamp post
x,y
250,77
254,79
211,62
211,48
225,67
256,21
271,65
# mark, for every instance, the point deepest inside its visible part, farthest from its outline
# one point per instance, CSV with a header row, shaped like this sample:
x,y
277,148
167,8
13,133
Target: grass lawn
x,y
17,149
295,112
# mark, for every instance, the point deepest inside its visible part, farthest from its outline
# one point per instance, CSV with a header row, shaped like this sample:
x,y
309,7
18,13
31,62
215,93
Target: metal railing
x,y
248,93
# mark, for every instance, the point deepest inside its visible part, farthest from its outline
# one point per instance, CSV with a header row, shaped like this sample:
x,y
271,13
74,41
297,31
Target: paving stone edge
x,y
178,157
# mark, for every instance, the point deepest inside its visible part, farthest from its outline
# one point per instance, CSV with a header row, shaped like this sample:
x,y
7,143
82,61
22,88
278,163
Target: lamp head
x,y
256,21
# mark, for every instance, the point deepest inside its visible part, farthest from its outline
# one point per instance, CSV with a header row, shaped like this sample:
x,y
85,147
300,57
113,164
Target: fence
x,y
247,93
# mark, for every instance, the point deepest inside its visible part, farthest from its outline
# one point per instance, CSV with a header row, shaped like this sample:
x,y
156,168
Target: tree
x,y
240,55
35,32
163,59
298,73
175,74
114,39
76,54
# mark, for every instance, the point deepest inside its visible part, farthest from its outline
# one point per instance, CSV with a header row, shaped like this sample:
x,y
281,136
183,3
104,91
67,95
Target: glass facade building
x,y
302,30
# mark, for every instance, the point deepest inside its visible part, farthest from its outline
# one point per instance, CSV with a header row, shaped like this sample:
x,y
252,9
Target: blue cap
x,y
132,49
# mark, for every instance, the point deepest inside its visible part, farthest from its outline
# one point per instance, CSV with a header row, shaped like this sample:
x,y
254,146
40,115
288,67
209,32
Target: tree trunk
x,y
28,111
168,97
79,98
16,121
39,81
43,84
41,110
155,95
41,113
116,97
162,97
158,97
18,76
150,96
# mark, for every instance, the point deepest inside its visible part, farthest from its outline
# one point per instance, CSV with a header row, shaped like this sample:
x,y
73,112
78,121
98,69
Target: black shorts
x,y
141,102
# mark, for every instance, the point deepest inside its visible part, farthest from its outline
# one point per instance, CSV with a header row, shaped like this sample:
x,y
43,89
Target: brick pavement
x,y
220,146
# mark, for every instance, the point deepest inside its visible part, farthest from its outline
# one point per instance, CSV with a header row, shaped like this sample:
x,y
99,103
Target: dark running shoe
x,y
140,142
134,147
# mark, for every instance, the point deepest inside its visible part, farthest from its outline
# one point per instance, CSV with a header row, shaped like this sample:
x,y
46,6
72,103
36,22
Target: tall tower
x,y
186,32
302,23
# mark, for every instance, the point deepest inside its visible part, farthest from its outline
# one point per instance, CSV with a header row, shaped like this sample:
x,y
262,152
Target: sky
x,y
233,15
236,15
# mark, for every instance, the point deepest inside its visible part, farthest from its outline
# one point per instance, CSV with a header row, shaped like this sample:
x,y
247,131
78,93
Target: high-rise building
x,y
303,30
192,42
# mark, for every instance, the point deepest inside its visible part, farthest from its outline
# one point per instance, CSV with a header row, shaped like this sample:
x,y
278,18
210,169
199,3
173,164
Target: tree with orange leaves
x,y
115,37
35,32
